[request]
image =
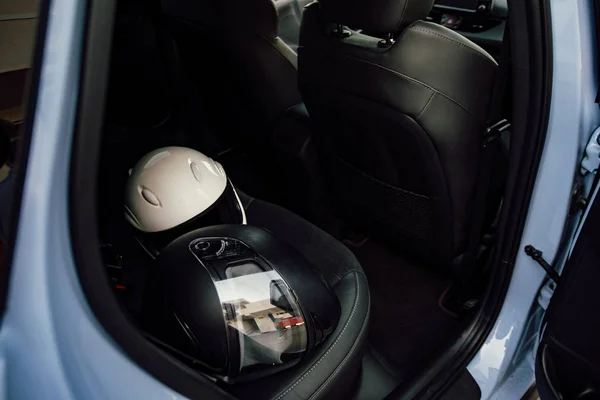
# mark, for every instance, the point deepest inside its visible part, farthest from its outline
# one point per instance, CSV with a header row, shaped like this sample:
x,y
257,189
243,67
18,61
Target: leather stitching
x,y
357,271
402,15
324,356
397,189
425,107
337,370
408,78
475,51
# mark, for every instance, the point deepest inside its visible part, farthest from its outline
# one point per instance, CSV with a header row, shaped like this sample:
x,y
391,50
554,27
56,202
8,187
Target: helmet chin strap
x,y
244,222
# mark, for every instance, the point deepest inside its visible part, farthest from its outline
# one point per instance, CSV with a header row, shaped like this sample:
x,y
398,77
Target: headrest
x,y
381,16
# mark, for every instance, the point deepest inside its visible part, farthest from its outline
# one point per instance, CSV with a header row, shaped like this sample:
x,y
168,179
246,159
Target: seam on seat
x,y
346,273
337,370
408,78
324,356
247,208
395,188
425,106
401,16
466,46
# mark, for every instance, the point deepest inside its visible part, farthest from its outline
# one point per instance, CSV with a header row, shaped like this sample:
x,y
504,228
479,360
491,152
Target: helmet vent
x,y
196,171
149,196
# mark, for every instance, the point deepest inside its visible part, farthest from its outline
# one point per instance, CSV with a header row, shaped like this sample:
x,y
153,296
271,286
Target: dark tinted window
x,y
290,16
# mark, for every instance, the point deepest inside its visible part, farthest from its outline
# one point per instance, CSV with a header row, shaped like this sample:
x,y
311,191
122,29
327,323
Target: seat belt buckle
x,y
494,131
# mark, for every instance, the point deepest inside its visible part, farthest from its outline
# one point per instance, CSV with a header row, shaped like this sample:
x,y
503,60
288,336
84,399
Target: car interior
x,y
371,136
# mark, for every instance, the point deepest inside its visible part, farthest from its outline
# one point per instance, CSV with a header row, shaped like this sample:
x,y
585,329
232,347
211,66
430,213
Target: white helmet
x,y
172,185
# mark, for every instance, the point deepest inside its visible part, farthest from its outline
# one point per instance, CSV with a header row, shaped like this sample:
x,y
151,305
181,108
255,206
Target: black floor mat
x,y
407,325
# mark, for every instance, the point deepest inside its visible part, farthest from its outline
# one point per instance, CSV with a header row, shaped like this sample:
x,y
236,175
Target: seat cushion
x,y
325,372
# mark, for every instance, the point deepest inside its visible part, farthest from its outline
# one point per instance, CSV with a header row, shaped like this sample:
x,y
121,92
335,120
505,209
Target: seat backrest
x,y
400,121
247,73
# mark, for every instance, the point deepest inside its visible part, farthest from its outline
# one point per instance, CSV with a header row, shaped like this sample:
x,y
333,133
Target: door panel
x,y
568,359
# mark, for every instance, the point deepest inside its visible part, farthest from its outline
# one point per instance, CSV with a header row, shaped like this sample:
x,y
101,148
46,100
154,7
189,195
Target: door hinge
x,y
591,159
588,169
537,256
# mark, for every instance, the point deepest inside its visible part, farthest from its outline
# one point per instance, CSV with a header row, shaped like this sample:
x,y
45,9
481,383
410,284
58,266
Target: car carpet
x,y
407,324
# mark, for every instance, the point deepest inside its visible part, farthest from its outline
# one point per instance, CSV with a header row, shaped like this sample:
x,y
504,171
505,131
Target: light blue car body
x,y
51,345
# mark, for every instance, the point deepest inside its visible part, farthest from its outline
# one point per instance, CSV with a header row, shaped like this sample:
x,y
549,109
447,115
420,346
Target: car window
x,y
18,27
290,15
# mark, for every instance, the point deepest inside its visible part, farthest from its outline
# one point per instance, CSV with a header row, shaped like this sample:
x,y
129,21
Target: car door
x,y
568,357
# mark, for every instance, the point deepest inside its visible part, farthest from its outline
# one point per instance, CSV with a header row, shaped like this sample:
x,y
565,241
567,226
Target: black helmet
x,y
237,303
